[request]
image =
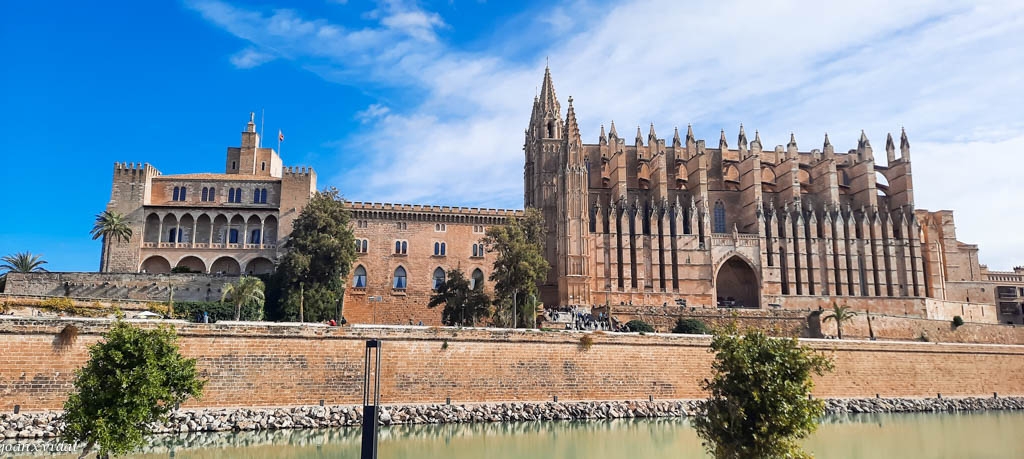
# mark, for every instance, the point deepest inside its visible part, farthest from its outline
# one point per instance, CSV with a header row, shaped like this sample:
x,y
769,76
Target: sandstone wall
x,y
126,286
279,365
914,329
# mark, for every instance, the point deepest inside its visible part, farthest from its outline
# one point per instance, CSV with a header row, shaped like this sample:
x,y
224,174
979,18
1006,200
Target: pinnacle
x,y
652,135
675,138
689,133
827,143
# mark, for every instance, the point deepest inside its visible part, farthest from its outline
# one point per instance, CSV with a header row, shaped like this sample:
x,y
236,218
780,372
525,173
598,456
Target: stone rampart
x,y
119,286
258,364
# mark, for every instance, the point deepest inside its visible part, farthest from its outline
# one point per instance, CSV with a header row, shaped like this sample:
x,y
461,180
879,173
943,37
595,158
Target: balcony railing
x,y
203,245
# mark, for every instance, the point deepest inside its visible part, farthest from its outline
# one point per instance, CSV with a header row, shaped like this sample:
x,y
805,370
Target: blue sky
x,y
425,102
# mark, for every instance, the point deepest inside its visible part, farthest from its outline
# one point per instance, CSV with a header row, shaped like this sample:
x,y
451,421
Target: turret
x,y
864,151
791,148
827,148
755,146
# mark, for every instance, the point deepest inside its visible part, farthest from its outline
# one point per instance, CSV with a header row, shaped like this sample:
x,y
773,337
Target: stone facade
x,y
230,223
662,222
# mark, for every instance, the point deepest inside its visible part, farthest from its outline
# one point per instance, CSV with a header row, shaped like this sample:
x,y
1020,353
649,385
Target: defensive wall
x,y
121,286
258,364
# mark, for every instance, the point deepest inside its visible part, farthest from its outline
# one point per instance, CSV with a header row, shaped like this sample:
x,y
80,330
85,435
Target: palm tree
x,y
840,314
110,225
248,290
21,262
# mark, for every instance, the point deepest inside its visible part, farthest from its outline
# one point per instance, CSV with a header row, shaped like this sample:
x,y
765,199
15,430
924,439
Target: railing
x,y
203,245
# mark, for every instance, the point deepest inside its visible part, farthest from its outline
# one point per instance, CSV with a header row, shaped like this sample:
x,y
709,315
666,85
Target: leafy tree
x,y
462,305
759,401
111,226
320,254
637,325
21,262
839,314
520,264
690,327
133,378
248,290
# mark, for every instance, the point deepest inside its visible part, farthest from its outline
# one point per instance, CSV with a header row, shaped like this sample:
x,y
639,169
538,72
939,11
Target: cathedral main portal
x,y
736,285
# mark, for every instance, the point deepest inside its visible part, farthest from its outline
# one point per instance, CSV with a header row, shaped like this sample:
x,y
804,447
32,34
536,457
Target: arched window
x,y
437,248
359,246
405,247
238,195
719,217
359,278
176,191
256,196
183,189
366,244
255,237
263,166
398,246
474,251
171,235
231,195
443,249
399,278
233,165
438,278
205,194
263,196
233,236
477,279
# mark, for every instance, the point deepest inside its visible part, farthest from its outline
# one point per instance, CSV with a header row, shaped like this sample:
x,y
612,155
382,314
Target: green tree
x,y
320,254
637,325
133,378
111,226
21,262
759,401
839,314
462,305
248,291
690,327
519,267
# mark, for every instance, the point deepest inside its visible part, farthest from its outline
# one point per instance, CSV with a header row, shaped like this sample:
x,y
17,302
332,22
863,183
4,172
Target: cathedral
x,y
651,221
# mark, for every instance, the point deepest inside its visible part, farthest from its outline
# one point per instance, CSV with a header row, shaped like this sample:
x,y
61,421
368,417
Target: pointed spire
x,y
572,130
675,139
904,145
828,149
863,141
548,99
722,143
613,132
742,138
755,146
864,150
791,149
689,133
652,137
639,136
890,149
602,139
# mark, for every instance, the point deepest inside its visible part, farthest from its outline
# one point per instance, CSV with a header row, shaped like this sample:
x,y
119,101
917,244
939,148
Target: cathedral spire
x,y
639,136
572,130
904,145
675,138
723,145
613,132
548,99
741,143
864,150
791,149
828,149
689,134
890,149
652,138
756,144
602,139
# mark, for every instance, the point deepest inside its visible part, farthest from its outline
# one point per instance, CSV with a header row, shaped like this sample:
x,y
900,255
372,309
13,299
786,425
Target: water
x,y
959,436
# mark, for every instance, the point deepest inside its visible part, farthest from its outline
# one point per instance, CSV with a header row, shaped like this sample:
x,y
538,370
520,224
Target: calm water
x,y
978,435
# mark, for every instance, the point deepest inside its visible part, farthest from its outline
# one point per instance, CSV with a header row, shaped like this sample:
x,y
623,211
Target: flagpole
x,y
263,122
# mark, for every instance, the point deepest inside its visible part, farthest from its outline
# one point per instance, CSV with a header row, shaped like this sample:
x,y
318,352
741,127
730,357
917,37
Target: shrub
x,y
60,305
958,321
158,308
637,325
444,345
759,402
183,269
218,311
690,327
586,341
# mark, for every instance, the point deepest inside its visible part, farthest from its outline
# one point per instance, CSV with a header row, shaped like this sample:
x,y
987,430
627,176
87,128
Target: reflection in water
x,y
968,435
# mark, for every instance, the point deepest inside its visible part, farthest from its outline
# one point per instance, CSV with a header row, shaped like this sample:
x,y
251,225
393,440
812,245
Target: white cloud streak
x,y
952,72
249,58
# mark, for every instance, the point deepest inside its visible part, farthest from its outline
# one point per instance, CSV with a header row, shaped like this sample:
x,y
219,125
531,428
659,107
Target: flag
x,y
280,136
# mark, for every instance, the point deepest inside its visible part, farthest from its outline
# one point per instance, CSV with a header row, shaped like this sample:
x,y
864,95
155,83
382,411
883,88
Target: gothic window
x,y
238,195
256,196
176,191
205,194
366,244
183,189
439,249
398,246
478,250
401,247
233,165
405,247
263,196
719,217
171,234
359,278
233,236
399,278
438,278
477,279
440,227
231,195
263,166
255,237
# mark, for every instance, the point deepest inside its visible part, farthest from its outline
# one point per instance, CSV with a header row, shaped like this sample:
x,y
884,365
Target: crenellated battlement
x,y
123,168
298,170
470,211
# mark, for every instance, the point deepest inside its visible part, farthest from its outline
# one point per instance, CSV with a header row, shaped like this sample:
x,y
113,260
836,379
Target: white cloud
x,y
372,112
250,57
952,72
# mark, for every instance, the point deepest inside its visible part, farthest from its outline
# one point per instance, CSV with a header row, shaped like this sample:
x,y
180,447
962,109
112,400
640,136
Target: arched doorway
x,y
260,266
225,265
736,284
193,263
